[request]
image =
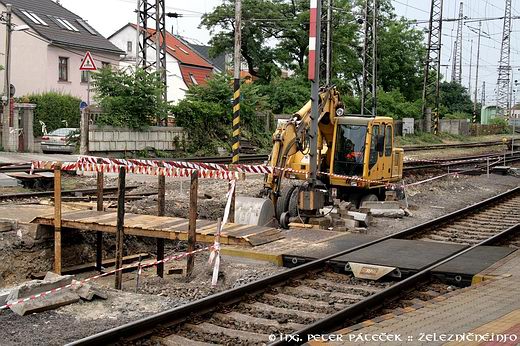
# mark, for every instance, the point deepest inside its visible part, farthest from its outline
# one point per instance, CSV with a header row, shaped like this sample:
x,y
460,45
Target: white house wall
x,y
34,64
176,87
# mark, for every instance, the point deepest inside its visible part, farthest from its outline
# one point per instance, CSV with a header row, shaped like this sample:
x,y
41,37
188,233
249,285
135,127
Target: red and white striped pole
x,y
313,42
314,76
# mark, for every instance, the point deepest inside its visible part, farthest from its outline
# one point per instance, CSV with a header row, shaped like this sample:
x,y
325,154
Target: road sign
x,y
88,63
83,105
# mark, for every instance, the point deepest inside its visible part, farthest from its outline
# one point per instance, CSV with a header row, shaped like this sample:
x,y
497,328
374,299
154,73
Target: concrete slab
x,y
462,269
343,242
407,255
7,181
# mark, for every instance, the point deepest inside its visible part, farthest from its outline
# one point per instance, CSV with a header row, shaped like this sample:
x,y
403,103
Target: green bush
x,y
55,110
207,111
500,122
129,98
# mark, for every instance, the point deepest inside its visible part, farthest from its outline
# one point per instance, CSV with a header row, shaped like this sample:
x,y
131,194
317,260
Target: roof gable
x,y
181,51
84,37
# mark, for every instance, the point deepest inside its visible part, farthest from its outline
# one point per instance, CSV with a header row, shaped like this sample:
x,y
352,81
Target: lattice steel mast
x,y
433,64
151,37
369,87
456,68
504,67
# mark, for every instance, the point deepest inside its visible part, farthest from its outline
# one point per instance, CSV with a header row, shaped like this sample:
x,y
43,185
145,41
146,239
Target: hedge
x,y
54,109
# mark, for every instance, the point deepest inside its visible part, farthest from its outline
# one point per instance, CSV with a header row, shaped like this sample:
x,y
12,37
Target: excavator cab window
x,y
375,146
350,149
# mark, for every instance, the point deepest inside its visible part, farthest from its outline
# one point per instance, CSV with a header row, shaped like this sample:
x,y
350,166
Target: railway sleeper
x,y
312,293
177,340
260,325
279,314
324,284
455,232
225,336
286,301
433,237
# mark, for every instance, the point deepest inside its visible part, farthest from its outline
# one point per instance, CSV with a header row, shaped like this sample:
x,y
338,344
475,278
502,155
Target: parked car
x,y
60,141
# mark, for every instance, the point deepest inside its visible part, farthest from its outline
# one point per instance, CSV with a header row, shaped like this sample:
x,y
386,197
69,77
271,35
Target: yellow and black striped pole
x,y
236,121
237,60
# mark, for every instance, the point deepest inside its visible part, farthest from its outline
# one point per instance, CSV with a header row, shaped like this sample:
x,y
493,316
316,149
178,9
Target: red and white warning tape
x,y
80,282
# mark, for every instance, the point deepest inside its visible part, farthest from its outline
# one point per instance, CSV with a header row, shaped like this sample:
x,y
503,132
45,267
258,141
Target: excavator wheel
x,y
293,202
282,204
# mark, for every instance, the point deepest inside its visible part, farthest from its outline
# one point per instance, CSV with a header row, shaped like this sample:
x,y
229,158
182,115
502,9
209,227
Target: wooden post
x,y
161,202
57,218
192,229
99,235
120,226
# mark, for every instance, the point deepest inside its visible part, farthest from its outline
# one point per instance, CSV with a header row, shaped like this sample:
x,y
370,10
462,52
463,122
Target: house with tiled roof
x,y
47,56
184,65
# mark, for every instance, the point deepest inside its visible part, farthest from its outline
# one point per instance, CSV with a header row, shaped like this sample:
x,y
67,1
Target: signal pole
x,y
314,77
236,82
328,65
369,87
474,118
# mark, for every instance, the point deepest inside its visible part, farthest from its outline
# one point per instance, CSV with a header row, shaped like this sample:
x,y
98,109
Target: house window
x,y
34,17
63,69
193,80
129,47
84,76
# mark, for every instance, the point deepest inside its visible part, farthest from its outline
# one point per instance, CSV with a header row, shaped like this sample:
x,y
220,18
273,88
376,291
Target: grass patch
x,y
429,138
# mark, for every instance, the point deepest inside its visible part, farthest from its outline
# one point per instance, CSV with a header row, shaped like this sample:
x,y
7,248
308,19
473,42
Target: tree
x,y
129,98
454,98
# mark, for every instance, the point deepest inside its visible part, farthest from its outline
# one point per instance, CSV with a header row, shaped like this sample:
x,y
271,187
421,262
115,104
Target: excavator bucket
x,y
254,211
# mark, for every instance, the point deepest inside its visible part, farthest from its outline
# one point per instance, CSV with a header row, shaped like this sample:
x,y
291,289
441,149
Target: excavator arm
x,y
291,140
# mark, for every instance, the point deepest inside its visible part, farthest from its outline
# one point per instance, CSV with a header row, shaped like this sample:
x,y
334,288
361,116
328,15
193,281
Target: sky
x,y
116,13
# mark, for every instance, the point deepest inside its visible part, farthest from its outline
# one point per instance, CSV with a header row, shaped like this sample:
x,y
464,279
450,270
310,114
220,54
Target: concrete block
x,y
112,146
7,225
381,205
34,287
351,224
97,136
153,136
7,181
108,136
4,293
124,136
396,213
131,145
120,146
390,196
87,292
362,218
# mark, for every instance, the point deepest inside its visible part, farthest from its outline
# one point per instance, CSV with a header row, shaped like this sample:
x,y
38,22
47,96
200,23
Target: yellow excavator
x,y
356,158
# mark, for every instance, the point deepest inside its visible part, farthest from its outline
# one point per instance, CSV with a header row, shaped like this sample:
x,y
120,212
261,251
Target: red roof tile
x,y
181,51
199,74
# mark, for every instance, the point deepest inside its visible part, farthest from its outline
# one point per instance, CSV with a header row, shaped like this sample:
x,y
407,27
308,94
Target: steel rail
x,y
357,310
145,326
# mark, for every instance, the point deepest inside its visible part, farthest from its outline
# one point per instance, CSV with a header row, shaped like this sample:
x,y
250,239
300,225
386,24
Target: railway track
x,y
312,299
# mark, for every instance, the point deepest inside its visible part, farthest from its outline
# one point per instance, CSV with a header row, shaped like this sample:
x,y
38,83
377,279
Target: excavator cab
x,y
356,160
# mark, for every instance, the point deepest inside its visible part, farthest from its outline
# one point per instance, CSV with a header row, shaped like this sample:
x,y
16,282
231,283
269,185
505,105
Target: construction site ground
x,y
22,256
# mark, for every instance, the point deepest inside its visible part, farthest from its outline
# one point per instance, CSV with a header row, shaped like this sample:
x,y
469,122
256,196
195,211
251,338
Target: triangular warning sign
x,y
88,63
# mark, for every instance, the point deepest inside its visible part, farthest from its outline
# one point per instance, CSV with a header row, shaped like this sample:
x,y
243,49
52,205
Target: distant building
x,y
185,66
47,57
487,113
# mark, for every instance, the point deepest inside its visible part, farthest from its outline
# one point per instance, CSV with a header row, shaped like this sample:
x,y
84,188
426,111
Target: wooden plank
x,y
169,225
140,221
120,227
161,206
99,235
192,231
98,219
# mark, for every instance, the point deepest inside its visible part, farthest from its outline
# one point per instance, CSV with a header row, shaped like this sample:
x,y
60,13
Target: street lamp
x,y
7,116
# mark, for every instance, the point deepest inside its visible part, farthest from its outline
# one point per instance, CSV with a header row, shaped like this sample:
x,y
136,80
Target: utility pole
x,y
236,82
328,65
474,118
7,85
456,69
470,65
483,94
369,87
431,86
504,67
314,77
